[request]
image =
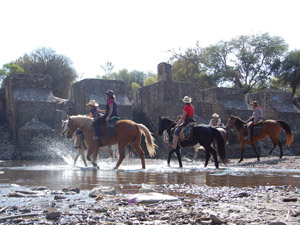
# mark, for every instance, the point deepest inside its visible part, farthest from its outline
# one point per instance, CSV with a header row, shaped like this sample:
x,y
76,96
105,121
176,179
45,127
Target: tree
x,y
290,71
11,68
151,79
107,68
243,62
45,61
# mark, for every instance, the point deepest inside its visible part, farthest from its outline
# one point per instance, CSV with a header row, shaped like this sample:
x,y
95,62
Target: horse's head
x,y
68,127
165,124
230,122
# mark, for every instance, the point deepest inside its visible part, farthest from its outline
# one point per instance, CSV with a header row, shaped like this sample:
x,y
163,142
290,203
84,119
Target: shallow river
x,y
130,175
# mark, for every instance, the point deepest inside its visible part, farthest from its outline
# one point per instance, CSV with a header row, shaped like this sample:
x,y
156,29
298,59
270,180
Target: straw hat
x,y
187,99
92,102
215,115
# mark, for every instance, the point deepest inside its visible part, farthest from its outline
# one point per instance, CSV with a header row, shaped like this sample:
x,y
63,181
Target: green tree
x,y
151,79
290,71
11,68
243,62
45,61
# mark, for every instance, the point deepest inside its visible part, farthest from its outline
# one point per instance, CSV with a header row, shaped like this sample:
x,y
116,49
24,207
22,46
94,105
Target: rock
x,y
70,189
215,219
151,197
58,197
40,188
105,190
277,223
289,199
53,215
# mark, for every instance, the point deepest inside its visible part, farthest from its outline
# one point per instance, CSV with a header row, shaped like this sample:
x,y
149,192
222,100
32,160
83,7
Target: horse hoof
x,y
240,161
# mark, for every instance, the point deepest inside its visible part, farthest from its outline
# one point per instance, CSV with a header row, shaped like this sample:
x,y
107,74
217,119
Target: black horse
x,y
201,134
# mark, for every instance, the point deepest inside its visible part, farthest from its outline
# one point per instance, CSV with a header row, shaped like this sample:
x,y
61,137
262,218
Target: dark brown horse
x,y
270,128
127,132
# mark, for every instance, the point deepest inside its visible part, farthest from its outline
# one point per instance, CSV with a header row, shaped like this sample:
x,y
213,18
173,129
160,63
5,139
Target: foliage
x,y
45,61
290,71
11,68
132,80
151,79
245,61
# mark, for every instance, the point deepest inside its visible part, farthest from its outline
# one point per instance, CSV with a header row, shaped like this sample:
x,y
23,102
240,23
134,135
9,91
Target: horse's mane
x,y
83,120
239,121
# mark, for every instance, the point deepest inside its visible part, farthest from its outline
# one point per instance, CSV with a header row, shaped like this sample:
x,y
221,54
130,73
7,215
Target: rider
x,y
216,121
93,113
111,110
254,119
187,116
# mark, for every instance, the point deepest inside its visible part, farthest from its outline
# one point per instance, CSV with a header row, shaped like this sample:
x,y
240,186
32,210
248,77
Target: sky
x,y
136,34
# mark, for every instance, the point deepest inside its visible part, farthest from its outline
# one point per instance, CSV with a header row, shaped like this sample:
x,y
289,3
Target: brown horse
x,y
127,132
270,128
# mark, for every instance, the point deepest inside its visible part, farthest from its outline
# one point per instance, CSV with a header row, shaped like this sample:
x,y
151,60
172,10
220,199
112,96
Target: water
x,y
131,175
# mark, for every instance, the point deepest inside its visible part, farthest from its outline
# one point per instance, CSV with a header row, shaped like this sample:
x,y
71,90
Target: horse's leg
x,y
121,154
243,144
178,153
281,152
76,157
170,155
274,145
96,153
207,156
83,157
140,152
214,153
254,148
196,153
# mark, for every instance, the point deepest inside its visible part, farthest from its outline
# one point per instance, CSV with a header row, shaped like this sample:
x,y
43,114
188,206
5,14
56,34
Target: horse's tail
x,y
221,145
288,132
149,139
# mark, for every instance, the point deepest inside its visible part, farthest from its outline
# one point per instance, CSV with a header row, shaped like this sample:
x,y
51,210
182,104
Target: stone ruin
x,y
165,99
30,115
29,110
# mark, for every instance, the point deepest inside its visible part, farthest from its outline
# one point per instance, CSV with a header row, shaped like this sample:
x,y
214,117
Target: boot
x,y
175,141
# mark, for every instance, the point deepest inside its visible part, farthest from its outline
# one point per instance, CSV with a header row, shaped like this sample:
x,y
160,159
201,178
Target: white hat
x,y
187,99
215,115
92,102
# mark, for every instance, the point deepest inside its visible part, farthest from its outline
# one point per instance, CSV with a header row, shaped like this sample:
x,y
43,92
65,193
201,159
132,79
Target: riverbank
x,y
158,204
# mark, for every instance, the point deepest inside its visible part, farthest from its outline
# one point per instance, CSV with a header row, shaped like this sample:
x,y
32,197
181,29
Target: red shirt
x,y
189,110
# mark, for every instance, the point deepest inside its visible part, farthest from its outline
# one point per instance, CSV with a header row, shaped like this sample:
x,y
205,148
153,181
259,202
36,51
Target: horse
x,y
201,134
270,128
84,145
196,147
127,132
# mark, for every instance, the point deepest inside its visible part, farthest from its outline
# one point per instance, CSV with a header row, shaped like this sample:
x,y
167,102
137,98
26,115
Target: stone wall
x,y
94,89
165,99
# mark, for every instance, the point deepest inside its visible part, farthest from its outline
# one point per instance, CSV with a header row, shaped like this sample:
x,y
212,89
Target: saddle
x,y
187,132
256,130
110,128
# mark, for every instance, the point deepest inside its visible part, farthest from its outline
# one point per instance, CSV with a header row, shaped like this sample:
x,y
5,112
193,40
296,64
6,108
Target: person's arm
x,y
183,117
210,123
90,115
256,115
101,110
111,106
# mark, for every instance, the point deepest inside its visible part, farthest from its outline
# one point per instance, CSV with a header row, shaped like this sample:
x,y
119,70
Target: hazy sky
x,y
136,34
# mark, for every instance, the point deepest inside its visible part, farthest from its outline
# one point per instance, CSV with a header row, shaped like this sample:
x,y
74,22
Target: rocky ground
x,y
159,204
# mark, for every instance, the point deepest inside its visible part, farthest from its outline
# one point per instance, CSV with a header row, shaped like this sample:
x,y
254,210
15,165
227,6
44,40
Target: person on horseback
x,y
187,117
254,119
111,111
216,121
93,113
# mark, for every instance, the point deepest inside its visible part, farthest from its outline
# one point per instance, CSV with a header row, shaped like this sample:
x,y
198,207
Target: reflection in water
x,y
130,177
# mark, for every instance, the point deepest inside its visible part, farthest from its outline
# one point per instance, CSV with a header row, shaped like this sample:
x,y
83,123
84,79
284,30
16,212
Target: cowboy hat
x,y
92,102
254,103
110,93
187,99
215,115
